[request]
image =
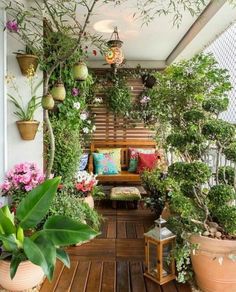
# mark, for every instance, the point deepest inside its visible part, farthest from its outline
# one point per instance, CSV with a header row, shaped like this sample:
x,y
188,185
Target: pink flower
x,y
145,99
75,91
5,187
12,26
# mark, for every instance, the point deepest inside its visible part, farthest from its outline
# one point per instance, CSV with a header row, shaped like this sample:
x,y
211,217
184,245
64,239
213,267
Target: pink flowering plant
x,y
21,179
85,183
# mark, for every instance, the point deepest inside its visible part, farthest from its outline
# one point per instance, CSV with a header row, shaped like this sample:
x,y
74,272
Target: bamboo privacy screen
x,y
110,127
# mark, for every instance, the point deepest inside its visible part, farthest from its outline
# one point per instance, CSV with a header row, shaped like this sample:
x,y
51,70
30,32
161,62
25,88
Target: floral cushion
x,y
104,163
116,154
125,194
133,154
83,161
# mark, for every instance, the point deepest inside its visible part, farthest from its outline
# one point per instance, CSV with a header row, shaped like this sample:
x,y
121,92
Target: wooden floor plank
x,y
104,229
111,229
109,277
94,279
50,286
130,249
81,277
136,275
121,229
122,277
67,277
169,287
183,287
139,230
151,286
130,230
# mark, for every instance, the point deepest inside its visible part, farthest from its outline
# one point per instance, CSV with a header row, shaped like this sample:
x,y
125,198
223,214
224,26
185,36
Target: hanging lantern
x,y
58,91
114,55
80,71
159,243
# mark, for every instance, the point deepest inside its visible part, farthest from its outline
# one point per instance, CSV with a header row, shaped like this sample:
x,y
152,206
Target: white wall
x,y
19,150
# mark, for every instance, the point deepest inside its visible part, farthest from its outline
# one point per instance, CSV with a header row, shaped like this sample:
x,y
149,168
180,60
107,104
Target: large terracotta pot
x,y
27,276
25,61
27,129
214,271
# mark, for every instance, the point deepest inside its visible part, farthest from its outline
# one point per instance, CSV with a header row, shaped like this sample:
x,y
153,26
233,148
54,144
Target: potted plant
x,y
203,202
26,59
26,124
27,255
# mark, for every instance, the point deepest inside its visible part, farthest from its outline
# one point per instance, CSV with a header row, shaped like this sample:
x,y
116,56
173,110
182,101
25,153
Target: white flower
x,y
94,128
98,100
76,105
86,130
83,116
89,122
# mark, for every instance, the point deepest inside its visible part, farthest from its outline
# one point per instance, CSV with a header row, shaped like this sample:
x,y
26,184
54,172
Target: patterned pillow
x,y
116,154
83,161
133,157
104,163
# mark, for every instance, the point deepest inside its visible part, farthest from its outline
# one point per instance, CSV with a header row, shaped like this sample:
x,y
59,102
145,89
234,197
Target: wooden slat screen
x,y
110,127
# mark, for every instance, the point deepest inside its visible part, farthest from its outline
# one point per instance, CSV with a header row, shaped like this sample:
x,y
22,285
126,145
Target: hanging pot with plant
x,y
80,71
58,91
148,80
47,102
26,60
27,129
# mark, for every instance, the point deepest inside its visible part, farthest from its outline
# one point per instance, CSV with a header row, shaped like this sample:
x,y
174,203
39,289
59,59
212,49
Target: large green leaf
x,y
9,242
63,257
41,252
6,224
8,213
65,231
35,205
15,261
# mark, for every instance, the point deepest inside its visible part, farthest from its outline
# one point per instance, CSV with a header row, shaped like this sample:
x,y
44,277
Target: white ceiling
x,y
156,41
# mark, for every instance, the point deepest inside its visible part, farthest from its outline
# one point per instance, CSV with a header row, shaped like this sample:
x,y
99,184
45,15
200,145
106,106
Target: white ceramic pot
x,y
89,200
27,276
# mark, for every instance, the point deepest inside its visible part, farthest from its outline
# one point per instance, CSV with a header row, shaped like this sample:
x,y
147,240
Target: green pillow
x,y
104,163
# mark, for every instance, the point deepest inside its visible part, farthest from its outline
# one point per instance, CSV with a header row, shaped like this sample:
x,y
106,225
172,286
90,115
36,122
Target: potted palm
x,y
27,255
26,124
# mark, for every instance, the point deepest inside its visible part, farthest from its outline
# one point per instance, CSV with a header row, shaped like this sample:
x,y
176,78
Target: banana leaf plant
x,y
41,247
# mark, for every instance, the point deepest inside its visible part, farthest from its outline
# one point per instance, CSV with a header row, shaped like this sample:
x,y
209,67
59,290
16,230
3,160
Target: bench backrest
x,y
124,145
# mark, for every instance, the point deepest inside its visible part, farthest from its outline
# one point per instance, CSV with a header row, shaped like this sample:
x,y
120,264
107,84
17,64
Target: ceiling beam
x,y
211,9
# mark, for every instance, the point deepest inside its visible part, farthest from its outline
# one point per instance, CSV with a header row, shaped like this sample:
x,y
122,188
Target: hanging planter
x,y
80,71
148,80
27,129
25,61
47,102
58,91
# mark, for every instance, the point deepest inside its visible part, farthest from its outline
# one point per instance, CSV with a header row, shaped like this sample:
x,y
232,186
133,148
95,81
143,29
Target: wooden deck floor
x,y
113,262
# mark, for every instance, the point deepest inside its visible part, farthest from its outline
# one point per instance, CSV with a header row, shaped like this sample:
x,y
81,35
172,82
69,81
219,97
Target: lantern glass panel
x,y
152,256
167,266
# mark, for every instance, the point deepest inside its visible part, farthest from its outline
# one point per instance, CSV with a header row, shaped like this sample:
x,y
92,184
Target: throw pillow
x,y
104,163
147,161
116,154
83,161
133,154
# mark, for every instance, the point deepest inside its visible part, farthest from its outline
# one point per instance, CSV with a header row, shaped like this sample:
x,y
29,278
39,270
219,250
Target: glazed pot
x,y
47,102
27,129
58,91
27,276
80,71
214,270
25,61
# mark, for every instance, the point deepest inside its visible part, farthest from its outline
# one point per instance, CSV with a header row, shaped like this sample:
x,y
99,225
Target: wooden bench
x,y
124,175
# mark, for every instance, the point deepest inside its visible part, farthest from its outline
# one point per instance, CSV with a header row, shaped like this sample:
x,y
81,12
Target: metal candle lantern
x,y
159,243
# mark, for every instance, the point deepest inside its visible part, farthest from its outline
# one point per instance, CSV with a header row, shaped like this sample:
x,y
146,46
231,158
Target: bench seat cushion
x,y
123,176
125,194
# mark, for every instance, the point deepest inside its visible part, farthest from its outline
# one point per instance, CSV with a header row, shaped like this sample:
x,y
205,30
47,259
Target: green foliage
x,y
230,152
219,131
68,205
42,247
118,97
215,105
158,187
226,175
98,193
194,116
220,195
226,216
196,172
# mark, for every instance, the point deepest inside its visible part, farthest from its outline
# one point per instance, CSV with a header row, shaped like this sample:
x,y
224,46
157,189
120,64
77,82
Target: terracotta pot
x,y
89,200
80,71
58,91
213,274
25,60
27,129
27,276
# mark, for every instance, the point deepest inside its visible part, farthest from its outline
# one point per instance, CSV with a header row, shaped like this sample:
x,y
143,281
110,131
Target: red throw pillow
x,y
147,161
